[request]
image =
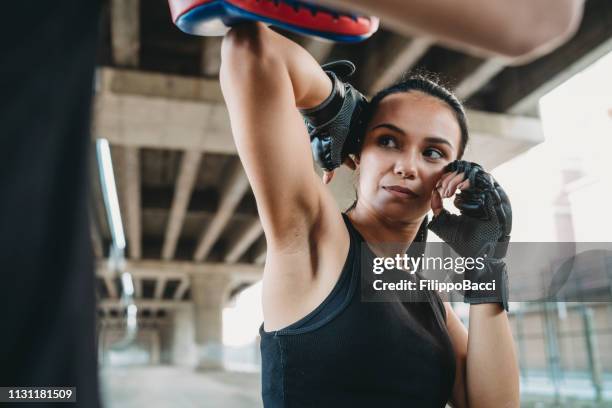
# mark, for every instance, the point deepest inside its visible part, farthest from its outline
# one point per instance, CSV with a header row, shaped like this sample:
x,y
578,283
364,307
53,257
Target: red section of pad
x,y
303,17
180,7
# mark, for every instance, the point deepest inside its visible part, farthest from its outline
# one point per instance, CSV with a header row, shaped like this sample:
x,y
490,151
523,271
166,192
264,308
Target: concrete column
x,y
180,338
155,347
209,293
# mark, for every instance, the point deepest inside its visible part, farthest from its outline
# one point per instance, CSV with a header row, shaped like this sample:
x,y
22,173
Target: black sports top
x,y
352,353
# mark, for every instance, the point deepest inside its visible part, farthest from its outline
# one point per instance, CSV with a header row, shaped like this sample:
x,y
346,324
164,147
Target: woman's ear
x,y
350,162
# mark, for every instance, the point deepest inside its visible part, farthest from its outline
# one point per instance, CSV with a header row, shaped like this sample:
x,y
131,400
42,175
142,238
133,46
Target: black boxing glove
x,y
482,230
332,124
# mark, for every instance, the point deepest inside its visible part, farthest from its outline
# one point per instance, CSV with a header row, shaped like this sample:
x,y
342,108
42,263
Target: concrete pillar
x,y
209,293
155,347
180,338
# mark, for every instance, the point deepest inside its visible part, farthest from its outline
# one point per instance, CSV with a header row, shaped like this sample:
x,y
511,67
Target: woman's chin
x,y
401,211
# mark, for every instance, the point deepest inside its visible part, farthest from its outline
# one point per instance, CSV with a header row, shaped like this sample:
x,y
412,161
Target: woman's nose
x,y
406,169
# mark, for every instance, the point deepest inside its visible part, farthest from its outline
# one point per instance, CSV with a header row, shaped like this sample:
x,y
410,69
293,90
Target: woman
x,y
322,346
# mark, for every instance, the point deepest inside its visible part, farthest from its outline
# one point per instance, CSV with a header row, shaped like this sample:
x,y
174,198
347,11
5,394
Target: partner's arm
x,y
521,29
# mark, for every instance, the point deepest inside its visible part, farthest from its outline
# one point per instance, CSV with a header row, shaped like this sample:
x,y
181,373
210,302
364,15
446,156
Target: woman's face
x,y
409,140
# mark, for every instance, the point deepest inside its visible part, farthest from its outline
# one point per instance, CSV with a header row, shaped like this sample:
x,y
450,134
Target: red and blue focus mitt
x,y
213,17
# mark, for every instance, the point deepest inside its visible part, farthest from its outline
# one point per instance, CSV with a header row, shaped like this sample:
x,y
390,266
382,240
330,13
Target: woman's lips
x,y
401,192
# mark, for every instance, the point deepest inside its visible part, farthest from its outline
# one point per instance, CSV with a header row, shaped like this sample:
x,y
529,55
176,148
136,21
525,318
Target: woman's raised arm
x,y
265,78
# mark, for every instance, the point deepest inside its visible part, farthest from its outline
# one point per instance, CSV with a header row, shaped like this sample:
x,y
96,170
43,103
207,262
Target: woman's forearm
x,y
492,374
518,28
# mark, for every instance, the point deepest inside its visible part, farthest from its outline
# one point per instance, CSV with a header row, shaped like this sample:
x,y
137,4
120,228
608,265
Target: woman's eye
x,y
434,154
387,141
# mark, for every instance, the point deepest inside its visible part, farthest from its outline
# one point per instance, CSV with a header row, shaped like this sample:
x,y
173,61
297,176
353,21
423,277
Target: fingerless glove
x,y
333,124
482,230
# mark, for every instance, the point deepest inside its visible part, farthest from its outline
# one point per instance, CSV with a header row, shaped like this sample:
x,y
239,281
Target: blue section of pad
x,y
195,20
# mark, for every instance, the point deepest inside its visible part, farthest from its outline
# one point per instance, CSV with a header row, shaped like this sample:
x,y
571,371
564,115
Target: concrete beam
x,y
168,121
132,201
177,123
148,269
260,259
234,189
190,164
497,138
259,252
402,54
162,122
111,288
107,304
120,321
160,284
153,84
211,56
135,108
137,281
528,104
182,288
153,122
478,78
318,48
125,32
244,241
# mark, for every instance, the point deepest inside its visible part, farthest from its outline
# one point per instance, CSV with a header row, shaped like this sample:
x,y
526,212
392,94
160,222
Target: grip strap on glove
x,y
482,230
332,124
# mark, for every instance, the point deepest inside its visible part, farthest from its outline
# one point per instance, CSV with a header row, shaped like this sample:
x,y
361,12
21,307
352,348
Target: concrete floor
x,y
178,387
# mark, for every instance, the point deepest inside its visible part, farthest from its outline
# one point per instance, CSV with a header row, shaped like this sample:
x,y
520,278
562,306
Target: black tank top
x,y
359,354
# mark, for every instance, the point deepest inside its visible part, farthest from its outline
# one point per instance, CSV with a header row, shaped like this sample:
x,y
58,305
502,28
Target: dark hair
x,y
428,84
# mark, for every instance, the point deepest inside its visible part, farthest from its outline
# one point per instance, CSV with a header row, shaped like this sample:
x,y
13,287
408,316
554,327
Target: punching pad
x,y
214,17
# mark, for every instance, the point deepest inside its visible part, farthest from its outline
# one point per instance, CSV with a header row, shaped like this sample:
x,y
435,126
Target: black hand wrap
x,y
482,230
332,124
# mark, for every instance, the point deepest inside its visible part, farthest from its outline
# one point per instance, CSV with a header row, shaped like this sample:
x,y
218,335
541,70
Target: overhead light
x,y
109,192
